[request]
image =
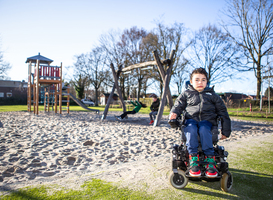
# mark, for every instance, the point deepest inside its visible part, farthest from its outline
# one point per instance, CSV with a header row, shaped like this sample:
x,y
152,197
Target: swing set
x,y
165,75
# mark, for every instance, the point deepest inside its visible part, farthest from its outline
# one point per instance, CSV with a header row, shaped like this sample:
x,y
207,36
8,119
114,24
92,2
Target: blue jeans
x,y
153,115
203,129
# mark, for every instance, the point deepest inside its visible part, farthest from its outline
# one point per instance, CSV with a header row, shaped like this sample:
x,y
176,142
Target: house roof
x,y
11,83
39,57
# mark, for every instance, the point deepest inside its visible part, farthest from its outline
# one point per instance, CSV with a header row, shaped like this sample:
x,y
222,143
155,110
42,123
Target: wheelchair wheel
x,y
226,182
179,180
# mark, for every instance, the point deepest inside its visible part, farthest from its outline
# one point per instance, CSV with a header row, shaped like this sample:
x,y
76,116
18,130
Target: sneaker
x,y
194,167
151,122
118,118
211,171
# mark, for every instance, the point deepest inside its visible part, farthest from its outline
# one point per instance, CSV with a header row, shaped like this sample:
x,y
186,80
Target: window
x,y
1,94
9,94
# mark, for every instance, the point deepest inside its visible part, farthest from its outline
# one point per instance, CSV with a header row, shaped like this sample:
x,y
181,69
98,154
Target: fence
x,y
244,103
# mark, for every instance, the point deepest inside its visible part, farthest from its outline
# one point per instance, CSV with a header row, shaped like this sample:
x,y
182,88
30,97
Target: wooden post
x,y
117,86
163,74
67,104
34,98
163,98
48,98
37,87
110,96
55,98
29,88
60,92
44,99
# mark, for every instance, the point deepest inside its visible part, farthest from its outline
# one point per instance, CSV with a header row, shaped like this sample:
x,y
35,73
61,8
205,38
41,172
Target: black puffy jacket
x,y
205,105
155,105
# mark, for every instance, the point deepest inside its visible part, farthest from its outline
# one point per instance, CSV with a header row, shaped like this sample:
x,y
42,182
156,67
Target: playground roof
x,y
42,59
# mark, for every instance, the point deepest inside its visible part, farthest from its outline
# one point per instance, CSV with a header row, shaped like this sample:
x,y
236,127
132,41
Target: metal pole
x,y
268,89
261,100
261,93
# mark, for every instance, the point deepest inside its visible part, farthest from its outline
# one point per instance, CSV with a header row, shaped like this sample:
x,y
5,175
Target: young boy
x,y
138,106
202,106
154,108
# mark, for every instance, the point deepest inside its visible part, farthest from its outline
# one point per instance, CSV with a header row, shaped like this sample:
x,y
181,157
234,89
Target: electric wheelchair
x,y
180,161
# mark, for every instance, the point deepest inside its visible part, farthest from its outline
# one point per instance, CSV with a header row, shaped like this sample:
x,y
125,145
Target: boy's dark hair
x,y
199,71
153,95
143,105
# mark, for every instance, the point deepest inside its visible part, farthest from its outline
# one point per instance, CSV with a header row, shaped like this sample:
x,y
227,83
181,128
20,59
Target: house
x,y
231,96
13,92
104,98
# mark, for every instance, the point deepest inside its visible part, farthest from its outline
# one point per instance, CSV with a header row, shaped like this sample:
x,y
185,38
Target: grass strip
x,y
95,189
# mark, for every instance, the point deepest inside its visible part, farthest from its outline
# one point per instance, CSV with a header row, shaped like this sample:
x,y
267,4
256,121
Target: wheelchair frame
x,y
180,161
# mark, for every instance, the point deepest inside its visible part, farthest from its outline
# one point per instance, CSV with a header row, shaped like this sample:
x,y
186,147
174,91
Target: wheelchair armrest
x,y
174,123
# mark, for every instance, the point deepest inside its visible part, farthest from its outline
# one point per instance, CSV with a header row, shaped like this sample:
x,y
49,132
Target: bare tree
x,y
180,76
80,83
95,70
126,48
132,43
109,44
4,67
213,50
164,39
114,53
80,80
253,21
92,66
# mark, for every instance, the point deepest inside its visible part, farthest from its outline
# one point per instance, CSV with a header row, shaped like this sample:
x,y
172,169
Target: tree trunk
x,y
97,96
259,79
139,88
122,86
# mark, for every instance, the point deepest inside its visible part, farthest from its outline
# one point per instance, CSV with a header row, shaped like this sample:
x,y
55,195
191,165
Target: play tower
x,y
44,84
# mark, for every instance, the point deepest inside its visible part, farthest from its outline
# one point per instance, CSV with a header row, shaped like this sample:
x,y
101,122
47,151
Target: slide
x,y
81,104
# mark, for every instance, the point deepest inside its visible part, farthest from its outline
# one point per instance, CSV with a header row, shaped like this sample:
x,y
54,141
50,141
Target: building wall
x,y
13,92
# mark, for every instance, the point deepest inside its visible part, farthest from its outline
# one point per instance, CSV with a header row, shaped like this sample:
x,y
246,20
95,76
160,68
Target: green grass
x,y
13,108
252,170
249,118
256,113
95,189
244,113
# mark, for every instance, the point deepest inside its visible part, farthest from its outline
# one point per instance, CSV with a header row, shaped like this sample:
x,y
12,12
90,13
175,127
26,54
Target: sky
x,y
61,29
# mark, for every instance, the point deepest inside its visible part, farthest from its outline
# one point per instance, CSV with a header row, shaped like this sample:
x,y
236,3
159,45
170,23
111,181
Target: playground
x,y
45,85
48,146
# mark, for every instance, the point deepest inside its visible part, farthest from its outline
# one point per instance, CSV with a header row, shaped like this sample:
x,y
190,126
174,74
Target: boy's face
x,y
154,99
199,82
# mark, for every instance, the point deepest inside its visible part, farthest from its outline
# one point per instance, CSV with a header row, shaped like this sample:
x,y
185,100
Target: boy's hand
x,y
172,116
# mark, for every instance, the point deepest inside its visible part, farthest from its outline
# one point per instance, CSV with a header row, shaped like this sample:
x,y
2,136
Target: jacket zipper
x,y
201,105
